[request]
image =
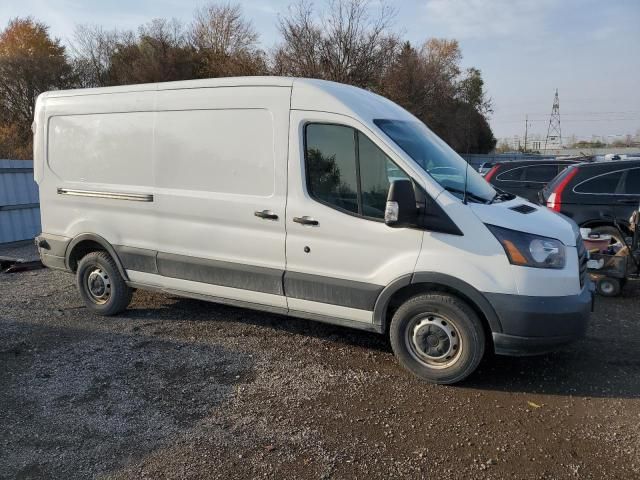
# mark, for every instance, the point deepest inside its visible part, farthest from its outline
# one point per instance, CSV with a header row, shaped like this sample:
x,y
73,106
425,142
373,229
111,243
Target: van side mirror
x,y
401,209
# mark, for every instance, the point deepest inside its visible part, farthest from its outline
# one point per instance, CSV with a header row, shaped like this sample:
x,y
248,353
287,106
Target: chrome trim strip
x,y
134,197
614,194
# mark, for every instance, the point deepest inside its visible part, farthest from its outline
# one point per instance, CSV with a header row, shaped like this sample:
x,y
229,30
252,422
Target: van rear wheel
x,y
438,337
100,284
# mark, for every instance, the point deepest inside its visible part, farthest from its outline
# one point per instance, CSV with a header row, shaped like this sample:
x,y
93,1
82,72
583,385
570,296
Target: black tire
x,y
608,286
433,315
616,237
116,294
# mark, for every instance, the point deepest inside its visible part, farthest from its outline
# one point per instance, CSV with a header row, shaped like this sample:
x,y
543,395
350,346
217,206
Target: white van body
x,y
170,180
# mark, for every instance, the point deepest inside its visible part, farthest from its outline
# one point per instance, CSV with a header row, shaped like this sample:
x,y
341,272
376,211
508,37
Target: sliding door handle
x,y
266,214
306,221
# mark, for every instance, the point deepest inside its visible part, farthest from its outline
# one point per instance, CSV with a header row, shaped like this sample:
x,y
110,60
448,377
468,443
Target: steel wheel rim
x,y
433,340
98,285
607,287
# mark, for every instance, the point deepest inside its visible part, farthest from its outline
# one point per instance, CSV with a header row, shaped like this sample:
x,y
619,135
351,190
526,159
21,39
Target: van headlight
x,y
528,250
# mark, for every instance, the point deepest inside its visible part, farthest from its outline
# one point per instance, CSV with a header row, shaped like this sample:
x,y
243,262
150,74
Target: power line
x,y
572,113
569,120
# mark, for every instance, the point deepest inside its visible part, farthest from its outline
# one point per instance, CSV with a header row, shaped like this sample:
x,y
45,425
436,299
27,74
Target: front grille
x,y
582,260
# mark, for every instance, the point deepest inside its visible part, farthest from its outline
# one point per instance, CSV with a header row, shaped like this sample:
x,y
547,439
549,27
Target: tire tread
x,y
121,293
475,337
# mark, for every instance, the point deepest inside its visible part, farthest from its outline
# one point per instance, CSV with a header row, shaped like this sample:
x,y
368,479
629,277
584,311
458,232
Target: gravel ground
x,y
178,388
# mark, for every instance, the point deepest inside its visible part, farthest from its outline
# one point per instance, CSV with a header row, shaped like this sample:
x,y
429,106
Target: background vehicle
x,y
525,178
485,167
593,194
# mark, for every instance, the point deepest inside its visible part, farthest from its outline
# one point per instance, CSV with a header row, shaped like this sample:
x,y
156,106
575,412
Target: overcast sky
x,y
588,49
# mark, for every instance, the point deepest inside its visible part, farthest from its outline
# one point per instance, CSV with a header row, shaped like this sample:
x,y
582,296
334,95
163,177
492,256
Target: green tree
x,y
31,62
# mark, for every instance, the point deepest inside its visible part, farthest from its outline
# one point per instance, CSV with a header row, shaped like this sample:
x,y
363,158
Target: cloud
x,y
260,6
488,18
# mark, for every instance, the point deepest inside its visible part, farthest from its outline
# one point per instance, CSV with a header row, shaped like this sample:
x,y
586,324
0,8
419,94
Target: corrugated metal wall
x,y
19,202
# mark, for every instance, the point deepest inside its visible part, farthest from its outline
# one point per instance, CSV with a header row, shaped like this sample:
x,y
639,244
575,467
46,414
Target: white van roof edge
x,y
307,94
255,81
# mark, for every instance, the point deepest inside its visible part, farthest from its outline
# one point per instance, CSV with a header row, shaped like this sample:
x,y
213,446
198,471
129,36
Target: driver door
x,y
340,254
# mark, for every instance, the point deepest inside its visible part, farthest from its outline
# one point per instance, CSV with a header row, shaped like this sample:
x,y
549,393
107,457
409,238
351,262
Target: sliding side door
x,y
220,176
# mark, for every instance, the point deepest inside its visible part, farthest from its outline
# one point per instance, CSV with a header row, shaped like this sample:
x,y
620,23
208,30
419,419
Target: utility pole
x,y
526,129
554,133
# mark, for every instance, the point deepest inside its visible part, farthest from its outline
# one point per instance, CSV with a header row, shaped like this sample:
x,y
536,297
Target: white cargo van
x,y
306,198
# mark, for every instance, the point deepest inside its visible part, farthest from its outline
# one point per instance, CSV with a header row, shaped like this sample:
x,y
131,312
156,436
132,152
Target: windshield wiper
x,y
468,193
501,195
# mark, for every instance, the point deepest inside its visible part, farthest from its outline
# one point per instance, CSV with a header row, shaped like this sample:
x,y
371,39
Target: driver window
x,y
331,165
347,171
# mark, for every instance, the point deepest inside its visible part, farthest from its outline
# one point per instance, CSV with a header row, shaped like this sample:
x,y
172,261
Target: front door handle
x,y
266,214
306,221
628,201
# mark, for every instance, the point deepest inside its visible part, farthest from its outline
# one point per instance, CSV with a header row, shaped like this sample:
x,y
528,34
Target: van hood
x,y
542,221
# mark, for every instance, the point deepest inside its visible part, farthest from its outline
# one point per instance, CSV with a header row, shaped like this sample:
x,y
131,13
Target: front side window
x,y
601,184
331,165
513,174
540,173
348,171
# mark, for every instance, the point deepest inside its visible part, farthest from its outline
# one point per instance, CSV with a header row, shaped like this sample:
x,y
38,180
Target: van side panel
x,y
173,180
110,149
204,151
98,143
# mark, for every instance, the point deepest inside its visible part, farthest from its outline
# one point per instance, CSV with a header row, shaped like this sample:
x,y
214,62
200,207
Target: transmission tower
x,y
554,133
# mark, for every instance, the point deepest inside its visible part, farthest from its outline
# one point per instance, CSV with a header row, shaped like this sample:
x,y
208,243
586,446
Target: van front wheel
x,y
100,284
437,337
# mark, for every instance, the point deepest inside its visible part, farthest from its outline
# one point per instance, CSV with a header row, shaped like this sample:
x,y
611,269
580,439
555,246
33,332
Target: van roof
x,y
307,94
178,85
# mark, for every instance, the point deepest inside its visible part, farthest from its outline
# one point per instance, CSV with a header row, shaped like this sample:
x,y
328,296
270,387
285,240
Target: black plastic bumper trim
x,y
515,346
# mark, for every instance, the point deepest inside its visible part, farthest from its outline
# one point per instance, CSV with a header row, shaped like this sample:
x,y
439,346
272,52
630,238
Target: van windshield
x,y
437,159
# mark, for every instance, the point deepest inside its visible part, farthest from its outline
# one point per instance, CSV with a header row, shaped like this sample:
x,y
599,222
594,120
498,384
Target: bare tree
x,y
92,49
226,42
347,45
223,30
299,55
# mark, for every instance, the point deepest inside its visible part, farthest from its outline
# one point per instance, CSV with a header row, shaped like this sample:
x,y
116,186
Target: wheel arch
x,y
411,284
604,223
86,243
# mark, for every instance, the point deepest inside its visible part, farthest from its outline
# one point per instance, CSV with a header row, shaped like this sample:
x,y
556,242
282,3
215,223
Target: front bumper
x,y
535,325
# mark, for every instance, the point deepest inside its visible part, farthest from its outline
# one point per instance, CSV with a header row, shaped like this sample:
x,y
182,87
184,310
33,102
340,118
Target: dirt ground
x,y
178,388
